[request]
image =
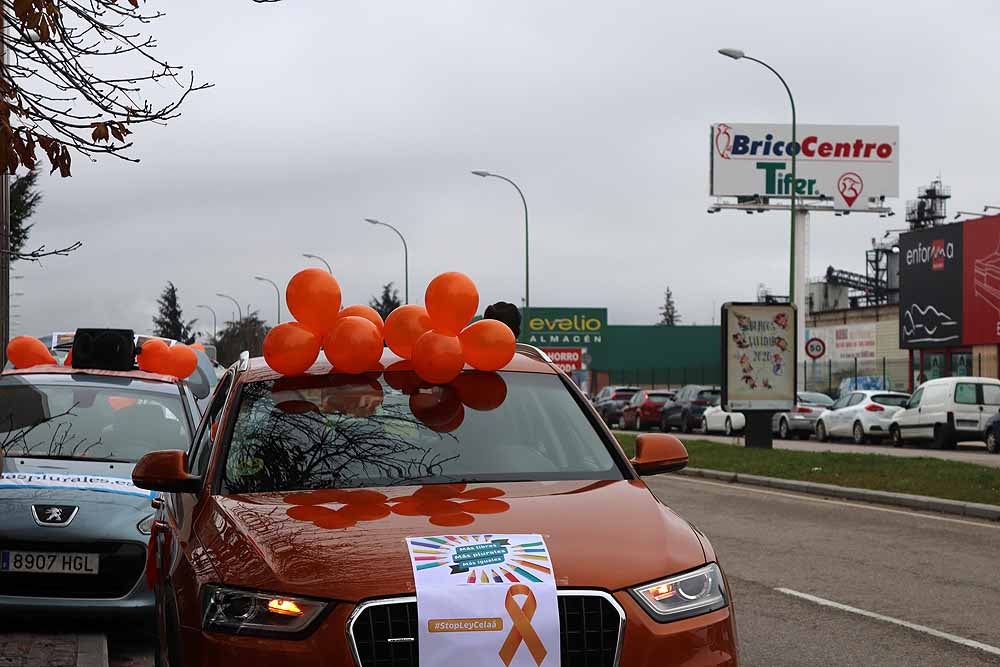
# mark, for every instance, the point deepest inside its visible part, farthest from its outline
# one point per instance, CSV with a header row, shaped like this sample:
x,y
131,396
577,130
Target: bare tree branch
x,y
40,252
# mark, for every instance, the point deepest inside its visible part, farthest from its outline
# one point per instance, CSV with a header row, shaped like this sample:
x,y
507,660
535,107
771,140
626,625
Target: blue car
x,y
993,434
73,527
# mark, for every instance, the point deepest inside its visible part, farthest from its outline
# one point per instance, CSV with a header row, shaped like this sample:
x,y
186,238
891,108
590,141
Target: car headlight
x,y
683,596
255,613
146,525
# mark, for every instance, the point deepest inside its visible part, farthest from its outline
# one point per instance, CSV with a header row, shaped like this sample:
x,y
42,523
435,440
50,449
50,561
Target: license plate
x,y
44,562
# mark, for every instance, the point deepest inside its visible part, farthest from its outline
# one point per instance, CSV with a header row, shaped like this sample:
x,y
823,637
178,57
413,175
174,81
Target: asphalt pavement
x,y
789,557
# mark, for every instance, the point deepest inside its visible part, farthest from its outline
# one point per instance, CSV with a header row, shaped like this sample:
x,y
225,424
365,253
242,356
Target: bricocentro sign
x,y
850,164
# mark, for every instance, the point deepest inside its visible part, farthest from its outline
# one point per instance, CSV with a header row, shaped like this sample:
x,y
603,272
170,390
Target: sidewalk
x,y
21,649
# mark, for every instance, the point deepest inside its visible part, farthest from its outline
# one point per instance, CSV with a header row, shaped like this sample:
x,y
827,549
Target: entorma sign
x,y
849,164
566,327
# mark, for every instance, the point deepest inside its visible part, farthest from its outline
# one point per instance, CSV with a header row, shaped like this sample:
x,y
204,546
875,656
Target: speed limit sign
x,y
815,348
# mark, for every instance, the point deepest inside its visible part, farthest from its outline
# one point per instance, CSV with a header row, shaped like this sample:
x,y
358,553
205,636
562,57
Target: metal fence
x,y
657,378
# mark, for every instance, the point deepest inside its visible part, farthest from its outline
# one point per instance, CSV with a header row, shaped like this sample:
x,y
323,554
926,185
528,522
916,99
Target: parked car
x,y
715,419
685,411
74,528
283,534
610,402
946,411
801,421
992,433
643,409
860,415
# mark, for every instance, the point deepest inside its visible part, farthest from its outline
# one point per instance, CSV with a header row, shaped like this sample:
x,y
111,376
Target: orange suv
x,y
280,538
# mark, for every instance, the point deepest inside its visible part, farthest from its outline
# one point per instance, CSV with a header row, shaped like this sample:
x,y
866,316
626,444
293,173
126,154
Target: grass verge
x,y
920,476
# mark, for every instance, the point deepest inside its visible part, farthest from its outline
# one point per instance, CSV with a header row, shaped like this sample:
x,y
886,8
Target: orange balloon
x,y
488,345
313,297
404,326
153,356
291,348
69,359
354,346
481,391
182,361
437,358
198,346
366,312
452,300
27,351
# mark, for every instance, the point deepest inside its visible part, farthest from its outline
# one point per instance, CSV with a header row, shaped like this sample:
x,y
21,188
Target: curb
x,y
92,651
922,503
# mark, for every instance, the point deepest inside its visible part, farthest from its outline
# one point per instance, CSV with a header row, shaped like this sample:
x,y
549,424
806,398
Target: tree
x,y
24,197
246,334
54,96
169,322
388,302
669,316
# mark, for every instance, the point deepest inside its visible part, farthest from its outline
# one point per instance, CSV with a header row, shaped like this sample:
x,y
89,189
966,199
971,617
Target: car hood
x,y
606,534
109,505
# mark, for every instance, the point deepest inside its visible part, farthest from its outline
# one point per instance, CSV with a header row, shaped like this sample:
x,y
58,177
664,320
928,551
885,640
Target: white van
x,y
947,411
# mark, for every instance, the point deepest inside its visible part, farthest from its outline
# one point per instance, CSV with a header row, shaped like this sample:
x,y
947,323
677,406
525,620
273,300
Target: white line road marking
x,y
744,488
895,621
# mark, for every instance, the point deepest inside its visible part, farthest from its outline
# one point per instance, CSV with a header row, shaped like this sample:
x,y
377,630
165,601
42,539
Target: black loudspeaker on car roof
x,y
104,349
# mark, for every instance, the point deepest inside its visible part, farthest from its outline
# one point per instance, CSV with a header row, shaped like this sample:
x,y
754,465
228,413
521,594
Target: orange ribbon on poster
x,y
522,631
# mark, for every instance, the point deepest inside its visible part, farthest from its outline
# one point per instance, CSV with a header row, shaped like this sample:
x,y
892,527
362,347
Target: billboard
x,y
568,359
982,281
845,343
758,356
565,327
846,163
931,287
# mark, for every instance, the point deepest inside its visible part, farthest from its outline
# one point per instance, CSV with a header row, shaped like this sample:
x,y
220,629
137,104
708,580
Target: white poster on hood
x,y
40,480
485,600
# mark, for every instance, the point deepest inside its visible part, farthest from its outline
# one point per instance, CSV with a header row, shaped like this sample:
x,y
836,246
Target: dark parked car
x,y
685,411
992,434
610,401
643,409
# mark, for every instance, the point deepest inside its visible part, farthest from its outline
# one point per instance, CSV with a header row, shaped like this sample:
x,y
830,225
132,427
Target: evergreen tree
x,y
24,197
169,321
669,316
388,302
246,334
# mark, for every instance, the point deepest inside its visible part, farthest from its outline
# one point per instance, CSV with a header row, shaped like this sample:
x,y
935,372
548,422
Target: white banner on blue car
x,y
485,600
34,480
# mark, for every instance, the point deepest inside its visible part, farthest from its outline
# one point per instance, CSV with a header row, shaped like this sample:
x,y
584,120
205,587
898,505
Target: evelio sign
x,y
566,327
846,163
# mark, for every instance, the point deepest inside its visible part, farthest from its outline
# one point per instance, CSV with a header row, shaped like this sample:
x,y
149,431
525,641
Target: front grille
x,y
121,565
589,624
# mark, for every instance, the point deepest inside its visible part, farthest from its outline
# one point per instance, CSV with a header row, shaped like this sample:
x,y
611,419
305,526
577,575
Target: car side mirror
x,y
165,471
658,452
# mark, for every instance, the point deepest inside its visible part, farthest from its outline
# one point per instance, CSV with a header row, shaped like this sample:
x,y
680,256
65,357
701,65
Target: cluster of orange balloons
x,y
28,351
438,338
155,356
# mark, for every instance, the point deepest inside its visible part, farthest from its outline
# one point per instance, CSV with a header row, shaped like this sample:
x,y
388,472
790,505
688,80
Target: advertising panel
x,y
982,281
758,356
849,164
565,327
567,359
844,343
930,287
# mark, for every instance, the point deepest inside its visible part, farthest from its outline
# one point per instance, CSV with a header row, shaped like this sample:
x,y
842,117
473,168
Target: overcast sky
x,y
324,113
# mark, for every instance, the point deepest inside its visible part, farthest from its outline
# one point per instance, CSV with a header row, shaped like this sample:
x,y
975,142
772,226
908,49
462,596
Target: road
x,y
969,452
930,570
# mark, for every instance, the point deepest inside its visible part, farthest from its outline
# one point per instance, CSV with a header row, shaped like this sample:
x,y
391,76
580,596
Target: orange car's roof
x,y
259,370
56,369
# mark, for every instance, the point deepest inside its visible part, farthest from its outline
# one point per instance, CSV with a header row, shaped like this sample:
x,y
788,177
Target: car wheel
x,y
859,434
685,422
896,435
991,442
638,422
783,430
729,426
821,433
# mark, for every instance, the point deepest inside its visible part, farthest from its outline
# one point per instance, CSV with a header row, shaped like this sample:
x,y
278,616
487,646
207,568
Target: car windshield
x,y
710,395
324,432
116,419
891,400
623,394
659,398
814,398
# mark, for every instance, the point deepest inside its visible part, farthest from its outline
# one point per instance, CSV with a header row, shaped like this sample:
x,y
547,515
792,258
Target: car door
x,y
672,411
908,419
968,407
631,409
934,407
842,419
991,401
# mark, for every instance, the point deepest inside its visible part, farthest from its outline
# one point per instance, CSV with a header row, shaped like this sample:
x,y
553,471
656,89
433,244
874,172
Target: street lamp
x,y
406,256
235,302
484,174
737,54
277,290
311,256
215,320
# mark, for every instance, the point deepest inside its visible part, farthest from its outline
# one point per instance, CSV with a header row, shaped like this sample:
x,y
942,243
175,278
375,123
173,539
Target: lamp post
x,y
235,303
485,174
215,320
406,257
277,291
737,54
311,256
